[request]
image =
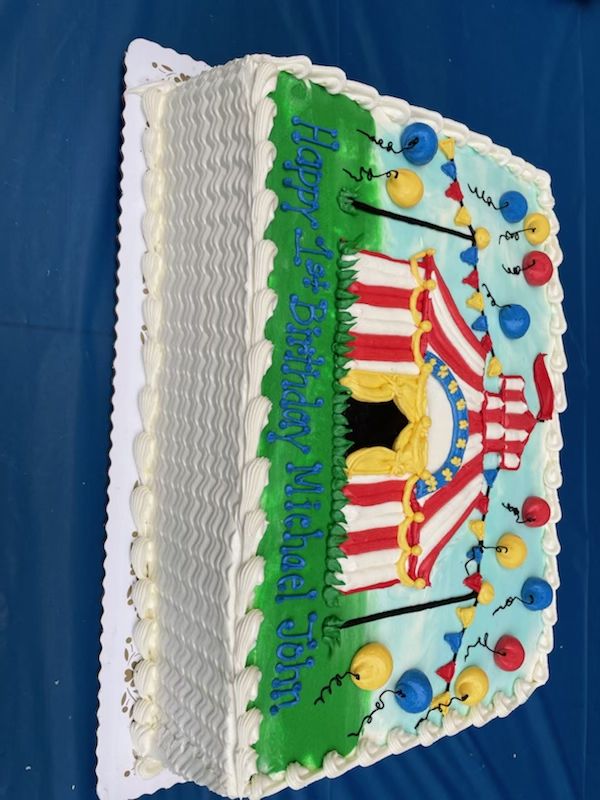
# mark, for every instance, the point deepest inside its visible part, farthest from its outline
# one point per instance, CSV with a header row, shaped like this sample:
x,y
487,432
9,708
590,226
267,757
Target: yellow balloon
x,y
471,685
511,551
486,593
537,228
373,664
404,187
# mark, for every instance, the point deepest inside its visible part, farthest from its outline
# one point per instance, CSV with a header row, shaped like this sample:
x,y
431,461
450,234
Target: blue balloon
x,y
413,691
536,593
419,143
513,206
514,321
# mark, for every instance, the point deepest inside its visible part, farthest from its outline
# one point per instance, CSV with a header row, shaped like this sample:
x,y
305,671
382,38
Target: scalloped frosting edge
x,y
247,573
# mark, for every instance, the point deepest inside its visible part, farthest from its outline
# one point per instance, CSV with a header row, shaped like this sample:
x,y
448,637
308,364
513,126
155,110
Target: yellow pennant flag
x,y
476,301
477,528
466,615
494,367
462,216
447,147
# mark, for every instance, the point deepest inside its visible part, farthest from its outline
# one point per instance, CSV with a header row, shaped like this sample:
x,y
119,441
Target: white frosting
x,y
221,755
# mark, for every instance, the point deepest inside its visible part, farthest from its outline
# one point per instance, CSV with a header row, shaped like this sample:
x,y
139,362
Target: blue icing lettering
x,y
291,561
305,313
286,690
320,249
317,131
300,479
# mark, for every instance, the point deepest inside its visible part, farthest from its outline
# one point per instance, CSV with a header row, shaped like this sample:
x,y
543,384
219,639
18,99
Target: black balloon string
x,y
337,680
483,642
389,147
481,195
515,511
510,601
441,706
369,174
518,269
490,297
379,704
513,234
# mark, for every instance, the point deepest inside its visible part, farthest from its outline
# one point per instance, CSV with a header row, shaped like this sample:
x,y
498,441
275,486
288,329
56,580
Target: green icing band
x,y
305,439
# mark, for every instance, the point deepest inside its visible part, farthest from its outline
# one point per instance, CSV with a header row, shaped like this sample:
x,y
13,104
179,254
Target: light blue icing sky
x,y
417,640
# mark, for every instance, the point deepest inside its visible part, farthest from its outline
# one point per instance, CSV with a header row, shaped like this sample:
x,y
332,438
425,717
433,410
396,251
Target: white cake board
x,y
145,62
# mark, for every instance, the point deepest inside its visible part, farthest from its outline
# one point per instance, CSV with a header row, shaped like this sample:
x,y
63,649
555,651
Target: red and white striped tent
x,y
467,421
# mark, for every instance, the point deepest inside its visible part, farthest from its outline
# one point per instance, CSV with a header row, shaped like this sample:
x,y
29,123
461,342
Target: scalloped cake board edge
x,y
128,329
114,751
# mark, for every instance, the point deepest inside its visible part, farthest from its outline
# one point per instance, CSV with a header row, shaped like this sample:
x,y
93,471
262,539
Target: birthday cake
x,y
348,471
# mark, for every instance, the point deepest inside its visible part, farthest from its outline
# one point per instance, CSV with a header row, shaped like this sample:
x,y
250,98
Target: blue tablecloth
x,y
526,73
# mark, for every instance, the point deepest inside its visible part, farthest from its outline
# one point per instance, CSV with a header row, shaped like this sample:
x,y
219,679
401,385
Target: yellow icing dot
x,y
482,238
420,583
373,664
511,551
425,326
461,405
471,685
537,228
416,550
404,187
419,516
430,284
486,593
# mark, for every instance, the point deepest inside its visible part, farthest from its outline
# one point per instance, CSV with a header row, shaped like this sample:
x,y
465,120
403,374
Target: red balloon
x,y
509,653
535,512
537,268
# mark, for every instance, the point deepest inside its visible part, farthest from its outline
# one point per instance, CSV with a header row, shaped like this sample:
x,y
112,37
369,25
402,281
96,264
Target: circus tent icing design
x,y
407,500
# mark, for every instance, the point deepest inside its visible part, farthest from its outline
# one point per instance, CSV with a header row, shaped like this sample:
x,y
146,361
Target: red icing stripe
x,y
384,257
464,475
375,347
446,350
513,395
428,562
520,422
382,585
372,539
465,330
544,389
475,422
371,494
383,296
494,415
